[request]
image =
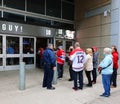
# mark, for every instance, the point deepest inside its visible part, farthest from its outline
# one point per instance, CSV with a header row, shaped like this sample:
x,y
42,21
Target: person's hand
x,y
54,68
99,69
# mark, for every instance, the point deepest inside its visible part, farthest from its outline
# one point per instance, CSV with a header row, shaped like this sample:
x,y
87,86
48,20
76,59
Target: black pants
x,y
94,74
114,78
88,74
60,70
70,71
48,76
78,76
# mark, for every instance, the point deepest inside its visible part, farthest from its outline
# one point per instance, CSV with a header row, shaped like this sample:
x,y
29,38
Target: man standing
x,y
115,66
60,61
49,67
78,58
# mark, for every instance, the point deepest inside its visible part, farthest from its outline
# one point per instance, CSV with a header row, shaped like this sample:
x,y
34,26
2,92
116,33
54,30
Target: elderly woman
x,y
106,67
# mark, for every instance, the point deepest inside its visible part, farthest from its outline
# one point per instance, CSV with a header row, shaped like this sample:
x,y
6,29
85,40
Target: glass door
x,y
15,49
29,51
12,52
1,53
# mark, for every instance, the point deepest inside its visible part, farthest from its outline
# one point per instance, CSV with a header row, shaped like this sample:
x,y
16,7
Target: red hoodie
x,y
115,59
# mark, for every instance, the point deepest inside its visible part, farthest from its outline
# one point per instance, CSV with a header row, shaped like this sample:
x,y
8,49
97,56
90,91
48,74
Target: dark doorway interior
x,y
40,43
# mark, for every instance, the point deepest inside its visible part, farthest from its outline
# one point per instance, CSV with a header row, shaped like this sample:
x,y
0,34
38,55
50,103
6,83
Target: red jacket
x,y
60,56
115,59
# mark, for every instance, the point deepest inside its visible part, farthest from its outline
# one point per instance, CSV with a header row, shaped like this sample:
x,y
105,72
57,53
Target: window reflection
x,y
1,62
28,45
0,44
28,60
12,44
59,43
68,44
12,61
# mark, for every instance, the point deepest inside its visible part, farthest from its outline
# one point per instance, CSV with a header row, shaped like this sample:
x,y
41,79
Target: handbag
x,y
100,68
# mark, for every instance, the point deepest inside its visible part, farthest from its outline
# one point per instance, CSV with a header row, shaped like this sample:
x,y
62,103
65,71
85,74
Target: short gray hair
x,y
77,44
107,50
50,45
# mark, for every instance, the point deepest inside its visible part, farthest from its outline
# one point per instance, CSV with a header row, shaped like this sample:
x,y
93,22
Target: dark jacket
x,y
49,57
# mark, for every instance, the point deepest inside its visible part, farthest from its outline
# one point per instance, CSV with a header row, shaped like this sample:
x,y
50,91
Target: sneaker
x,y
80,88
51,88
113,86
88,85
75,88
104,95
70,79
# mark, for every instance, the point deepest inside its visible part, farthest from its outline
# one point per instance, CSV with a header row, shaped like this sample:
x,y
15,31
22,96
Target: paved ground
x,y
63,94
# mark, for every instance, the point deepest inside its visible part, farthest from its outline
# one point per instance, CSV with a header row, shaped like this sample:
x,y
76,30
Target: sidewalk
x,y
63,94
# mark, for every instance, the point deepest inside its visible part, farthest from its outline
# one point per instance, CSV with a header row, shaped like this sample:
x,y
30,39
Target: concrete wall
x,y
94,30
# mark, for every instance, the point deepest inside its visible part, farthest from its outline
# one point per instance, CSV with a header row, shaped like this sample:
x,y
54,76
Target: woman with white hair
x,y
106,69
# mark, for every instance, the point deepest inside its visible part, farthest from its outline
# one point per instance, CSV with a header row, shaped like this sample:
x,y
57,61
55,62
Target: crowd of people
x,y
79,61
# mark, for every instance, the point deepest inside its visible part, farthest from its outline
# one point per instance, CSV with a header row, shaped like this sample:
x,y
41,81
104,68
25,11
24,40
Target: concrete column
x,y
22,76
115,24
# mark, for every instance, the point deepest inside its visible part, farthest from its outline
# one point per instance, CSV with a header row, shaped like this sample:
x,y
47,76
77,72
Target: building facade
x,y
27,25
97,23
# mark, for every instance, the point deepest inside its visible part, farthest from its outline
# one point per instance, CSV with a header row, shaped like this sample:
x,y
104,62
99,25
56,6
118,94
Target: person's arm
x,y
52,58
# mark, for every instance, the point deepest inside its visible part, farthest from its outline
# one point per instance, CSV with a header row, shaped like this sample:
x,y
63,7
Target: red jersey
x,y
60,56
78,57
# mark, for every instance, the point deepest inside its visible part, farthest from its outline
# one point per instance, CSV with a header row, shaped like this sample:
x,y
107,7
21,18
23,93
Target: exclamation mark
x,y
21,29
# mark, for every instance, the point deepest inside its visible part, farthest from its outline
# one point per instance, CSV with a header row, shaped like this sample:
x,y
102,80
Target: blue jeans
x,y
106,83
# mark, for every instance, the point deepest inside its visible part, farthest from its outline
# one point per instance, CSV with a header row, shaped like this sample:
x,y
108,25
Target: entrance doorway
x,y
65,43
15,49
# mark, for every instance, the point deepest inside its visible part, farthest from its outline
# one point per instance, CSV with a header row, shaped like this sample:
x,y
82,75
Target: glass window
x,y
38,21
28,45
12,61
12,44
59,43
68,44
63,25
13,17
37,6
0,2
0,14
67,11
72,1
28,60
17,4
54,8
1,61
1,48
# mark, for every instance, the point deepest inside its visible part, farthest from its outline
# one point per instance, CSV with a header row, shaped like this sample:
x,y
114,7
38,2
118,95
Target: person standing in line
x,y
106,69
88,66
70,64
95,64
41,57
115,67
77,57
60,61
49,67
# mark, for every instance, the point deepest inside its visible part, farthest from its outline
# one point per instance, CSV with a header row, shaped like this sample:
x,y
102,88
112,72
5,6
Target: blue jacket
x,y
49,57
10,50
107,61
